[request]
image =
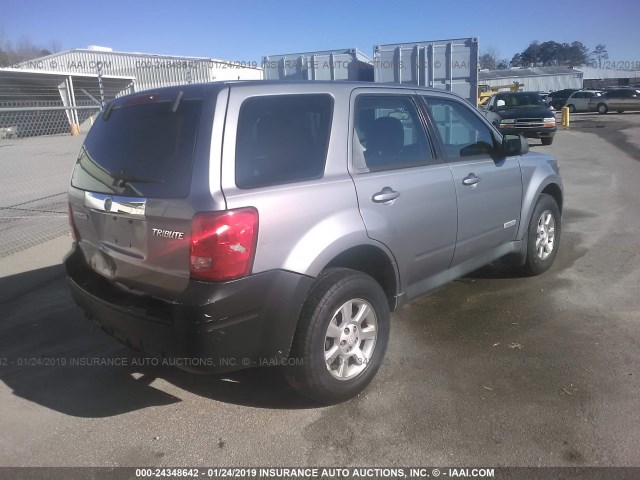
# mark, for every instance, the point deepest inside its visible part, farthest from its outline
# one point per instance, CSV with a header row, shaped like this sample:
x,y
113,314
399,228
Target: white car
x,y
579,101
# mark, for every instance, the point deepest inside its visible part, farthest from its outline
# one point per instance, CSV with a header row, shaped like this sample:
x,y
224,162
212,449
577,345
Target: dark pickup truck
x,y
521,113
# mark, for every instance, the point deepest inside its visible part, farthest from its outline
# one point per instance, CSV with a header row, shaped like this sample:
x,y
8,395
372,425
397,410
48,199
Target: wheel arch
x,y
551,186
376,263
554,190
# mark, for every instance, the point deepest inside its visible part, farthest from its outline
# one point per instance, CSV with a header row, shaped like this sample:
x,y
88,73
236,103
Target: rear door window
x,y
282,139
143,150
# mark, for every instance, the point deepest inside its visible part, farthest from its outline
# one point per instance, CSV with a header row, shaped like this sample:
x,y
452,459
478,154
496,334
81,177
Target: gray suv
x,y
229,225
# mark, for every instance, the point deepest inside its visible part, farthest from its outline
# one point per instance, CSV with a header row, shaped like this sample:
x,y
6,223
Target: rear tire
x,y
547,141
543,236
602,108
341,338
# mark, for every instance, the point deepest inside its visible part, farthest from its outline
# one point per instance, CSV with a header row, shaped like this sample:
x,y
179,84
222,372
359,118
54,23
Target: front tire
x,y
543,236
572,108
602,108
341,338
547,140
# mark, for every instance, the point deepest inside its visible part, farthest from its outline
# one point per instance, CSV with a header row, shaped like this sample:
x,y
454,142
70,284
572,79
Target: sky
x,y
249,29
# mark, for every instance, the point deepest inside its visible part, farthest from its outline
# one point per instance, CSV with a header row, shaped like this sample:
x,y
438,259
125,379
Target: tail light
x,y
223,244
74,230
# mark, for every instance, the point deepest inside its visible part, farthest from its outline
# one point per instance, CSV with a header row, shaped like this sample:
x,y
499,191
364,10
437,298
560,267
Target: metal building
x,y
537,79
62,92
40,102
148,70
595,77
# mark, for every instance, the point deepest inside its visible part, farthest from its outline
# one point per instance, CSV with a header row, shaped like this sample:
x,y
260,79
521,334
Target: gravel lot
x,y
490,370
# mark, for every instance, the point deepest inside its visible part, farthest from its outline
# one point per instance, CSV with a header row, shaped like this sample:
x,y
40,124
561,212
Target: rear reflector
x,y
223,244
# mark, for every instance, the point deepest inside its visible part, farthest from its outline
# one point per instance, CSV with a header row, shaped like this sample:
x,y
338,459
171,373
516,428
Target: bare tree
x,y
55,46
489,59
600,53
24,49
503,64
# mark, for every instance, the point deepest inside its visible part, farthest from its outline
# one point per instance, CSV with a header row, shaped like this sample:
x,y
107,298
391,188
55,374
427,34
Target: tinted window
x,y
140,150
388,134
461,131
282,139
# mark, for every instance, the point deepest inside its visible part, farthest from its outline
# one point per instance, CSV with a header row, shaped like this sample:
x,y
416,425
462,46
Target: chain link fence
x,y
43,123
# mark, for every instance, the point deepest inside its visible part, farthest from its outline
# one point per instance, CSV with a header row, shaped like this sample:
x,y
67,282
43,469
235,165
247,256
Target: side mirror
x,y
514,145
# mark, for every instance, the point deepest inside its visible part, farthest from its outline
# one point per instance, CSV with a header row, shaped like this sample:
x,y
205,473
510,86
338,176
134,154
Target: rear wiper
x,y
121,179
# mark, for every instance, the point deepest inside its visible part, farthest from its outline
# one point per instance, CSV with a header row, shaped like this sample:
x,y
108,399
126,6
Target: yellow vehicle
x,y
485,92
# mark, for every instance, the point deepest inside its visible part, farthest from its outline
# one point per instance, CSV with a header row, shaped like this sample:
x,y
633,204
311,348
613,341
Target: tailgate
x,y
130,198
133,242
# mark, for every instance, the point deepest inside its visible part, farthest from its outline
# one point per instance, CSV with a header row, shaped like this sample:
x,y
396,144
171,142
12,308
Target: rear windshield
x,y
282,139
143,150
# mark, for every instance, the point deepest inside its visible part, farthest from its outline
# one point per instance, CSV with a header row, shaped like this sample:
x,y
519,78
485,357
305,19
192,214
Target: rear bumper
x,y
211,327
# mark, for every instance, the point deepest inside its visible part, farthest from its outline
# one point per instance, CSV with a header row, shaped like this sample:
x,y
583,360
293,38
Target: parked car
x,y
579,101
620,100
521,113
230,225
557,99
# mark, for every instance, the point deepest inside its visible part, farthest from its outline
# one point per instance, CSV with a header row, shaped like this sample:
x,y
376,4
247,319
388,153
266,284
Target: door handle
x,y
387,194
470,179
